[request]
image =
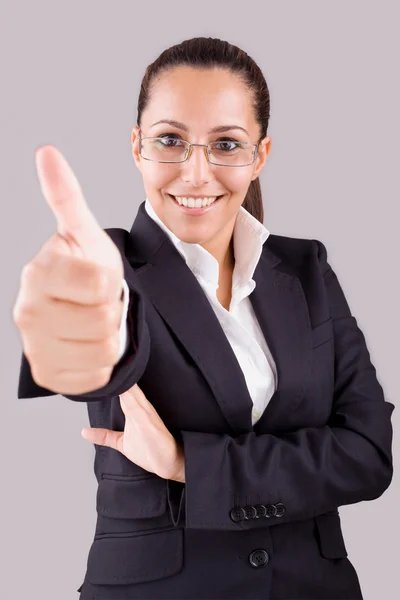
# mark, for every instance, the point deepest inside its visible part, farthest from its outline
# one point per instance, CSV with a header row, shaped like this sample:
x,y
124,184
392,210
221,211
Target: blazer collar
x,y
248,237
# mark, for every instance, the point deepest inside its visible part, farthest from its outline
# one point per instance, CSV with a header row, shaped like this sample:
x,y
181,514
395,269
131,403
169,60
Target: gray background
x,y
70,74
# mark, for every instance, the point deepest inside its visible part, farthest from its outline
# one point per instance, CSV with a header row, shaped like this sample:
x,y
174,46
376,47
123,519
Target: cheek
x,y
156,179
236,181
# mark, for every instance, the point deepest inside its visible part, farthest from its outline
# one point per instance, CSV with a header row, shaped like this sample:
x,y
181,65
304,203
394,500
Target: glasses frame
x,y
189,152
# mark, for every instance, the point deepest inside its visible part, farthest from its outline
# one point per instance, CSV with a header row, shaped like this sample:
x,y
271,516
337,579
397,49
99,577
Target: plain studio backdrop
x,y
70,74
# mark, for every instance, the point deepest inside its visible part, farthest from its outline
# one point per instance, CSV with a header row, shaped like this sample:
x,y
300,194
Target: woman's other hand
x,y
145,440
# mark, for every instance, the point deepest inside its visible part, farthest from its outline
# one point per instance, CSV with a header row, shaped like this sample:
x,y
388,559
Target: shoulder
x,y
300,254
295,249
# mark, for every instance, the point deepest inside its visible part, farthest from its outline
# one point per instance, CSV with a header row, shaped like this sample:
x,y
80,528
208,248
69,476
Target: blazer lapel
x,y
279,305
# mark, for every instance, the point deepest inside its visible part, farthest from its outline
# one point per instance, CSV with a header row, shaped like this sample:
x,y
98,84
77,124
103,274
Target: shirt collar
x,y
248,237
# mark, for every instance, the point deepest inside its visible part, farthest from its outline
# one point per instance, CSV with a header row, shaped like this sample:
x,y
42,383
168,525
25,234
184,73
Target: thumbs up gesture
x,y
69,306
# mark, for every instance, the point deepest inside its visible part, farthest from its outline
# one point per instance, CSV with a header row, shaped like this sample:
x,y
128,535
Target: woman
x,y
257,411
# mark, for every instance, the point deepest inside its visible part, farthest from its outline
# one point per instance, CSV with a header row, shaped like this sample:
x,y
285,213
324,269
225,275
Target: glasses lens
x,y
164,149
231,153
226,153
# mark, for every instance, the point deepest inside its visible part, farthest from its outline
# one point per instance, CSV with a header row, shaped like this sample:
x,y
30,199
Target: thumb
x,y
64,196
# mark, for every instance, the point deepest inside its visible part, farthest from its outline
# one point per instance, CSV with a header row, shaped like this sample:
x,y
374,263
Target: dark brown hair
x,y
203,52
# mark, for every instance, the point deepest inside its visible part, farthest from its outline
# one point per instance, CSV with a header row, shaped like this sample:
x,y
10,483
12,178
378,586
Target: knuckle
x,y
39,376
108,318
36,359
29,273
101,377
84,274
110,350
17,316
24,314
98,282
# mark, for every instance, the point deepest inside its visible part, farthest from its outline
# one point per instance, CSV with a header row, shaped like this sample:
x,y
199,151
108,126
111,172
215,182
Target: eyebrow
x,y
217,129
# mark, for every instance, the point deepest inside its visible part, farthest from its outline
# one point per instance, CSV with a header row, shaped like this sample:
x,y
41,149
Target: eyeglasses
x,y
227,153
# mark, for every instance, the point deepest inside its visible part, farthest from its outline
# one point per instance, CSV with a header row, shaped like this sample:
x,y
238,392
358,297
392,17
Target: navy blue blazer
x,y
257,517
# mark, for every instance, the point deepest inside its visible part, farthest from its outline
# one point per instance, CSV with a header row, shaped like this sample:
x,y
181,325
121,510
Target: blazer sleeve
x,y
126,372
300,474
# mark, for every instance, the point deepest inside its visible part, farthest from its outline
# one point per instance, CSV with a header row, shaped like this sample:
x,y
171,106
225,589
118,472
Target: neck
x,y
224,256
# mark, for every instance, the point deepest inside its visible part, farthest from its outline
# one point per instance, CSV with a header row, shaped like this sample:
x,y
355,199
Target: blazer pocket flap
x,y
132,559
122,497
330,537
322,333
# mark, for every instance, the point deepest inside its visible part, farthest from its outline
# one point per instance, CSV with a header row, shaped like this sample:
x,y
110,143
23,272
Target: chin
x,y
194,237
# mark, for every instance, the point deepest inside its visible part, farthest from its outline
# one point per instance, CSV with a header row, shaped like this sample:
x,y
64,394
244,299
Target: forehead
x,y
200,98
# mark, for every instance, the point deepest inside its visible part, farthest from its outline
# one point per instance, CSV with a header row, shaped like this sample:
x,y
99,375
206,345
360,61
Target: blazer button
x,y
237,514
280,509
261,510
258,558
250,512
271,511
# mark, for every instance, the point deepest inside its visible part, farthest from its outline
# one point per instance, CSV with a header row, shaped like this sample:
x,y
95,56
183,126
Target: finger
x,y
103,437
64,196
71,278
81,323
135,393
134,399
72,355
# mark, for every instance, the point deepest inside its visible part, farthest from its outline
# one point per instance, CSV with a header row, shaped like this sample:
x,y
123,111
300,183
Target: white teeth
x,y
195,202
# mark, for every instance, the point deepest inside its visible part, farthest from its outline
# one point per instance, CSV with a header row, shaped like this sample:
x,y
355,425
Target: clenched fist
x,y
69,306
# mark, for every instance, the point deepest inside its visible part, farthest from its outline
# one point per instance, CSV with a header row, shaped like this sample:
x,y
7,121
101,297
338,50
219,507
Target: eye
x,y
169,137
221,141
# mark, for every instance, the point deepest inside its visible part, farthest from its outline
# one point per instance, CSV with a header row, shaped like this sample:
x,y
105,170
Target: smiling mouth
x,y
215,201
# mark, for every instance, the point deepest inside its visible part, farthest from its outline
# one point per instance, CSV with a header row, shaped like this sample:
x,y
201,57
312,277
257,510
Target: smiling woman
x,y
245,409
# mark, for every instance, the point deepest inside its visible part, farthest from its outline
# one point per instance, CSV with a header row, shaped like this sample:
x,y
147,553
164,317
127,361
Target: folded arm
x,y
229,481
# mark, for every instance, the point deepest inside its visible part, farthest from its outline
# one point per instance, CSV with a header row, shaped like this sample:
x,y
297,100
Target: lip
x,y
197,195
195,211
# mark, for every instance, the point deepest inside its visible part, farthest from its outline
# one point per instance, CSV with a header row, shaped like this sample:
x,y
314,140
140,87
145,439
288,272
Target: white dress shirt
x,y
240,324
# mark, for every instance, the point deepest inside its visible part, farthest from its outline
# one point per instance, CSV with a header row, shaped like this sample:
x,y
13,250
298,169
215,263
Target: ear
x,y
263,151
135,146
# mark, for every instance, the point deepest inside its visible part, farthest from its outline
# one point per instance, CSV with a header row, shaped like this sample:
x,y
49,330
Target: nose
x,y
196,168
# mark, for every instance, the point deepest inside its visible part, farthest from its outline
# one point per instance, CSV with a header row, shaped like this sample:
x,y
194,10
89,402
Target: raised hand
x,y
69,306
